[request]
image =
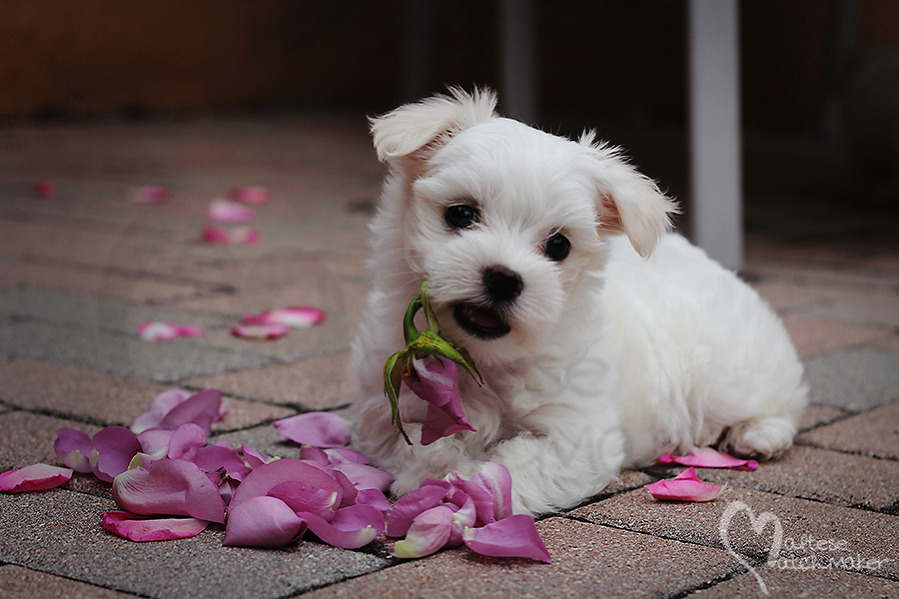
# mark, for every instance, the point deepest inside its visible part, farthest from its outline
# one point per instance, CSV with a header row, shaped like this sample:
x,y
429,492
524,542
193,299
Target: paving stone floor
x,y
80,270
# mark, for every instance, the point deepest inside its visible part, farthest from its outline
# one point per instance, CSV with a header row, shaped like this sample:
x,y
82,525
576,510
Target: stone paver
x,y
121,355
105,399
22,583
89,311
874,433
588,561
815,415
854,379
814,336
783,582
313,383
59,532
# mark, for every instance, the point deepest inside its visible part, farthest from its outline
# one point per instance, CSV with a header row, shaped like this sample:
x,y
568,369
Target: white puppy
x,y
603,341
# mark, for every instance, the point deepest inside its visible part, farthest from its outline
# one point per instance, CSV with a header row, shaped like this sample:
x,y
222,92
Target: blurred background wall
x,y
64,58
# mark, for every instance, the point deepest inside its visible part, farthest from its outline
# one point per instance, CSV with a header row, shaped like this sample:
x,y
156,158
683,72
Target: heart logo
x,y
758,524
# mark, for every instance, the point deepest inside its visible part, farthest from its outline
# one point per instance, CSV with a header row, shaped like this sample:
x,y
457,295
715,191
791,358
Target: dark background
x,y
820,78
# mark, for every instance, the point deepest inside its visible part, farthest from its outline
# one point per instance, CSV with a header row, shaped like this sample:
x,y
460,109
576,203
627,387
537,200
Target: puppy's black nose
x,y
503,284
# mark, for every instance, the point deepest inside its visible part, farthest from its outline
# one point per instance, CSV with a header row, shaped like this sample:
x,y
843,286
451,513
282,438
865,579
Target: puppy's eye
x,y
461,216
557,247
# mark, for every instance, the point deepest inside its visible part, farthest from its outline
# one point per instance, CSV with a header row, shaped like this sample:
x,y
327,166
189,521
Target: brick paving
x,y
79,271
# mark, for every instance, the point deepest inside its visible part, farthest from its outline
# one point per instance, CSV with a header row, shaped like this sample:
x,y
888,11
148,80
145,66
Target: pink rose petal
x,y
151,194
155,331
684,487
161,405
318,429
515,536
339,455
374,498
142,528
410,505
434,380
221,458
298,317
44,188
154,442
233,236
708,457
261,332
249,195
429,532
202,409
464,517
37,477
170,487
269,476
186,441
366,477
262,521
316,455
301,497
490,489
73,448
253,457
229,212
111,452
350,528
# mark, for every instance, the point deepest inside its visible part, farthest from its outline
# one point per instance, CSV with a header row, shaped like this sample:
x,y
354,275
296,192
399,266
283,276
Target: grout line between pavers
x,y
847,452
739,571
61,415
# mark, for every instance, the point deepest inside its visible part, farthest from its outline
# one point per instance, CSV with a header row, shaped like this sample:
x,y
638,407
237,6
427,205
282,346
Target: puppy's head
x,y
506,221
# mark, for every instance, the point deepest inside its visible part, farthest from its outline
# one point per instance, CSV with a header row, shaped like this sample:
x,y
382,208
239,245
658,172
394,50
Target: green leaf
x,y
410,333
431,343
393,378
426,306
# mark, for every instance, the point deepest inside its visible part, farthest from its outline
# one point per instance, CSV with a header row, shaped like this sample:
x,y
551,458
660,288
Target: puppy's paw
x,y
765,439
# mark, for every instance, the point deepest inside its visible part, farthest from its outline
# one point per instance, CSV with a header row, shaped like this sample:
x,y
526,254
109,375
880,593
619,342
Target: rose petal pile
x,y
478,512
169,484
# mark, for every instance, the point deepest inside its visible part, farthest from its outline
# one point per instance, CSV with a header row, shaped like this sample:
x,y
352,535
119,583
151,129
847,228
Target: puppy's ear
x,y
627,201
413,129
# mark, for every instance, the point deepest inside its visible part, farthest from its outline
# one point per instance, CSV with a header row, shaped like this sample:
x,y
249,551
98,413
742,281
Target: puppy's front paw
x,y
764,439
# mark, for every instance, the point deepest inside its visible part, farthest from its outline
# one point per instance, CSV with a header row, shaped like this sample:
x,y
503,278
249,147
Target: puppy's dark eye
x,y
461,216
557,247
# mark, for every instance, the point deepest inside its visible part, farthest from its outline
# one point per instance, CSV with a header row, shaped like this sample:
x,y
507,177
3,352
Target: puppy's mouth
x,y
481,322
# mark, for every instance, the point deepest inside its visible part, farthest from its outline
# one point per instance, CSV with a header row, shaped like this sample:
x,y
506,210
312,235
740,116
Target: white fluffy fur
x,y
614,356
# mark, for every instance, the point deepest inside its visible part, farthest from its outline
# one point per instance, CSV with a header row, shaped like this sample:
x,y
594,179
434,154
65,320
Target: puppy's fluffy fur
x,y
600,350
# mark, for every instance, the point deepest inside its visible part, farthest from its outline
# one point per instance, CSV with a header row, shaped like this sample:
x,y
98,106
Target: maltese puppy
x,y
603,341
